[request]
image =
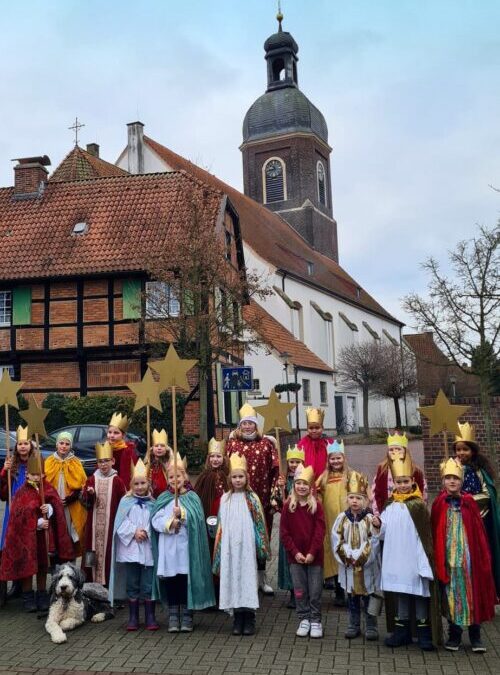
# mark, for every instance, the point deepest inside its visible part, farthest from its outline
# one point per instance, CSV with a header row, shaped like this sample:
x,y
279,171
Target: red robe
x,y
315,453
117,492
381,494
262,468
25,549
483,586
158,478
125,458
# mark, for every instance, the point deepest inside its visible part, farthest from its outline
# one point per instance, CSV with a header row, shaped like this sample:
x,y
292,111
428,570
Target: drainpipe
x,y
403,373
297,419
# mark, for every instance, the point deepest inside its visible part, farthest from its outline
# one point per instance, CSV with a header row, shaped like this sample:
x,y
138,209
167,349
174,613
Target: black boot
x,y
475,639
3,593
29,604
42,601
15,590
238,621
291,603
424,636
452,644
249,622
401,635
339,597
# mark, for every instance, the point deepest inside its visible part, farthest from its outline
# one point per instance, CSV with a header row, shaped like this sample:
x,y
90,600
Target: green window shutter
x,y
131,298
21,306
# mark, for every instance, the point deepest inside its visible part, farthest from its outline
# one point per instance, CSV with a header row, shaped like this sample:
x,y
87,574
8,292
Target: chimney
x,y
135,147
93,149
30,176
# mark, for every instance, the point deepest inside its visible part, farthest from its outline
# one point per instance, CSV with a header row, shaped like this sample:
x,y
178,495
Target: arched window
x,y
278,70
274,180
321,176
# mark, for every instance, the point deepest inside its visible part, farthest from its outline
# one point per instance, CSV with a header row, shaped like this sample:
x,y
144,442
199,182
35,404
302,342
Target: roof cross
x,y
76,128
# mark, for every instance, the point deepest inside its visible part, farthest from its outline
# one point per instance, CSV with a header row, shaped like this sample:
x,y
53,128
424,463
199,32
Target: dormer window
x,y
321,176
80,228
274,180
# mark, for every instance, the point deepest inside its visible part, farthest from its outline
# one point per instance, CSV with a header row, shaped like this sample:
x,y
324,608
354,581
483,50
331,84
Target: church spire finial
x,y
279,16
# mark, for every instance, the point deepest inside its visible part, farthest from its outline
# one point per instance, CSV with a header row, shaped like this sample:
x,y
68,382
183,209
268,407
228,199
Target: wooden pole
x,y
278,442
174,435
42,492
7,453
445,439
148,427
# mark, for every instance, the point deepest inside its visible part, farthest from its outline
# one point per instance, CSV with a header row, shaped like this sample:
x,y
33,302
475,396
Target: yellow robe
x,y
333,496
74,479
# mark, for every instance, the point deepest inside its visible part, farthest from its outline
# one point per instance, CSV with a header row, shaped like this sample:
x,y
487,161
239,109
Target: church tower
x,y
286,156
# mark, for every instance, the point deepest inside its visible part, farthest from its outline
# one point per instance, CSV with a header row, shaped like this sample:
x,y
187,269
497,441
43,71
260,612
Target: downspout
x,y
297,419
403,374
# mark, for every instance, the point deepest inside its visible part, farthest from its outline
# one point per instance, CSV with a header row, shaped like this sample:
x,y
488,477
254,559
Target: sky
x,y
410,91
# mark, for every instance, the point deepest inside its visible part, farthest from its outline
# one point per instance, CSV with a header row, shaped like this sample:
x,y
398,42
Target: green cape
x,y
492,525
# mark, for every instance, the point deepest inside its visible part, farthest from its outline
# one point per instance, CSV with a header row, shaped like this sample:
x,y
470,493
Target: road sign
x,y
237,379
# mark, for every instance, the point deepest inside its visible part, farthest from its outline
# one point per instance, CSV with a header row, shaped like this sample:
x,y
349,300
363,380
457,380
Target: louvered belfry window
x,y
274,181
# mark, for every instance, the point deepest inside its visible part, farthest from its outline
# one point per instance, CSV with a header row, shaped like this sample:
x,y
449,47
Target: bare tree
x,y
398,375
360,365
197,300
463,310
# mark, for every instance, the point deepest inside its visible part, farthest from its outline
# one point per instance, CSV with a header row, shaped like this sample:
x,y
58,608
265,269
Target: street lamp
x,y
285,356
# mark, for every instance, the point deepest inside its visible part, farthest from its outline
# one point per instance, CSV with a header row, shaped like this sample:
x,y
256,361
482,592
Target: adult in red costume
x,y
262,467
314,444
123,450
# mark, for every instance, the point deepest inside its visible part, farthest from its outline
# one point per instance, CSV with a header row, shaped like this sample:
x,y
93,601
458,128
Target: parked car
x,y
85,437
47,446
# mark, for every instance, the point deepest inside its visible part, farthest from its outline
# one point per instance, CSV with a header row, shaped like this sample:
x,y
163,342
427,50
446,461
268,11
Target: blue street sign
x,y
237,379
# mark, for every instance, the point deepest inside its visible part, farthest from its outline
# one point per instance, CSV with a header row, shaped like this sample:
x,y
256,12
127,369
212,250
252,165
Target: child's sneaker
x,y
476,643
316,630
304,628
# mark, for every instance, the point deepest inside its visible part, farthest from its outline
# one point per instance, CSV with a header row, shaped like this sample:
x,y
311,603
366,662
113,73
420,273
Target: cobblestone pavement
x,y
211,650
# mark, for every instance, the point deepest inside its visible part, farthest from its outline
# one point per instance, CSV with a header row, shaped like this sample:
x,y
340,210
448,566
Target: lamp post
x,y
284,356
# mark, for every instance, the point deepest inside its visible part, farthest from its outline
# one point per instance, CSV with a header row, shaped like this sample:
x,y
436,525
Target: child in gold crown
x,y
157,460
407,561
314,444
356,547
241,542
124,452
302,532
132,554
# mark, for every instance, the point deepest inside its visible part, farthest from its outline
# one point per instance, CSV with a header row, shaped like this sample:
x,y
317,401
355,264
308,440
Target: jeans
x,y
421,606
354,603
307,586
139,581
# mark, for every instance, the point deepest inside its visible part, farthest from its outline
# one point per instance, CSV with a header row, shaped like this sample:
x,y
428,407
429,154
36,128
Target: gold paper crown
x,y
401,467
315,416
357,484
22,434
450,467
215,446
120,421
467,433
140,470
246,410
35,464
400,440
238,462
295,453
160,437
304,473
103,451
182,463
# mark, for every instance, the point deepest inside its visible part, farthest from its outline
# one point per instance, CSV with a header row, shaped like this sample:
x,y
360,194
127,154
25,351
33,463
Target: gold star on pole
x,y
35,417
173,370
443,415
8,390
275,413
147,392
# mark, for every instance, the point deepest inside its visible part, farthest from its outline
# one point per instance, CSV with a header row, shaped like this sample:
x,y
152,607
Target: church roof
x,y
274,240
276,336
80,165
127,218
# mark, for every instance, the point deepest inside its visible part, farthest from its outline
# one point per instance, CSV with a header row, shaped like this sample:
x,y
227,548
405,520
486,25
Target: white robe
x,y
127,548
405,566
238,558
173,549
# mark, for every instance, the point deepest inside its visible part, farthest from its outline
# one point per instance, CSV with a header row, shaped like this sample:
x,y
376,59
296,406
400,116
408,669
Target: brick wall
x,y
50,375
434,446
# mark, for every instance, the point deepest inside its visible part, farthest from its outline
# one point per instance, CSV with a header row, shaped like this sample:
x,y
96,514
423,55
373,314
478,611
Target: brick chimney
x,y
135,147
30,176
93,149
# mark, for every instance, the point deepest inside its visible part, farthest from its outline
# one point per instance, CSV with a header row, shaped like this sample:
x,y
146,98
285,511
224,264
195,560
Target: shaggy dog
x,y
72,602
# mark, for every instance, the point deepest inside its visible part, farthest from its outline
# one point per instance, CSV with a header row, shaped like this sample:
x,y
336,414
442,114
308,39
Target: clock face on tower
x,y
274,169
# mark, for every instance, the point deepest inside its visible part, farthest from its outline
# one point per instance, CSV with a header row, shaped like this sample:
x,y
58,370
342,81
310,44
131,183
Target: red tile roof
x,y
279,338
80,165
128,217
276,241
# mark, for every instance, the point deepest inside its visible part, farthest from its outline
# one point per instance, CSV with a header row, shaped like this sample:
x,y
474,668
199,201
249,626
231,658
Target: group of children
x,y
145,533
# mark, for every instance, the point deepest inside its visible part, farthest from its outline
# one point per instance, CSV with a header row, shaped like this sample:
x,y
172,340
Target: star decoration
x,y
443,415
8,390
147,392
275,413
35,417
173,370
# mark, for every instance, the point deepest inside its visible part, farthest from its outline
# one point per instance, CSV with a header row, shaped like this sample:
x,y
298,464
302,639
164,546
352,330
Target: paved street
x,y
211,650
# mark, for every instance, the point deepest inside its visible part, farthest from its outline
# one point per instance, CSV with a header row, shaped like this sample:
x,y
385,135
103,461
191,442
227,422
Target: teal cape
x,y
118,575
284,576
200,582
492,525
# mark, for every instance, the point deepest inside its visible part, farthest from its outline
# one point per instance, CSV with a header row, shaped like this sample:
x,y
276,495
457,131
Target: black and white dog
x,y
72,602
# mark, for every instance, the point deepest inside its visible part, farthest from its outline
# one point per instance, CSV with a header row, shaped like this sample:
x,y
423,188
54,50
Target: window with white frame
x,y
274,180
321,177
5,308
9,369
161,302
323,393
306,391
